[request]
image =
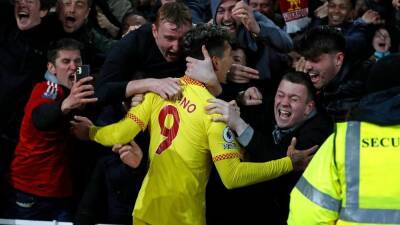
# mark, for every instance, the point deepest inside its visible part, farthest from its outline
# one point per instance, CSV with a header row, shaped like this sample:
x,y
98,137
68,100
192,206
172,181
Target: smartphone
x,y
82,71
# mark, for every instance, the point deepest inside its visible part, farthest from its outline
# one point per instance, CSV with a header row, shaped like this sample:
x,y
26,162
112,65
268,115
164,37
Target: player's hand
x,y
243,13
80,127
81,93
300,158
131,154
252,96
203,71
242,74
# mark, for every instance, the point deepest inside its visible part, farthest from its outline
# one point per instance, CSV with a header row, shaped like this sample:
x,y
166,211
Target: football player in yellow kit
x,y
185,142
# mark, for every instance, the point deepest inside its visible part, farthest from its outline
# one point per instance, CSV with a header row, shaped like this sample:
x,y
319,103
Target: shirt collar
x,y
278,134
50,77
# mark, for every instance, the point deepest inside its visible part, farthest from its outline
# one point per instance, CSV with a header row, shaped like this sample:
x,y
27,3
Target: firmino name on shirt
x,y
187,105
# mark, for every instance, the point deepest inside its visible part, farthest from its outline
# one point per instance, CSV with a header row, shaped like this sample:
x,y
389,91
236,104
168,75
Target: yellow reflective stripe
x,y
352,212
316,196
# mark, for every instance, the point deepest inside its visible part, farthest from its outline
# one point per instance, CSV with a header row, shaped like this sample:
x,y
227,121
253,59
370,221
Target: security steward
x,y
354,177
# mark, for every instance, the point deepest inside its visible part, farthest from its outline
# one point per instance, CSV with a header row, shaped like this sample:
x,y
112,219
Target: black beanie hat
x,y
384,74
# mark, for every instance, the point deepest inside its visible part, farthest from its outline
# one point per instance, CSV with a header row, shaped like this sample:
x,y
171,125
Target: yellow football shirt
x,y
184,142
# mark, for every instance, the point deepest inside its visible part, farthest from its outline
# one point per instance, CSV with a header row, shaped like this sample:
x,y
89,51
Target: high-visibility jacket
x,y
354,178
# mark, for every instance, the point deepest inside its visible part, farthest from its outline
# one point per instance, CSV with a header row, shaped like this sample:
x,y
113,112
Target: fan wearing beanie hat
x,y
385,74
381,105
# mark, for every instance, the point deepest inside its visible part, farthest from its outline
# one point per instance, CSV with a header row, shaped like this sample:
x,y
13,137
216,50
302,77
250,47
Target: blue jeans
x,y
22,205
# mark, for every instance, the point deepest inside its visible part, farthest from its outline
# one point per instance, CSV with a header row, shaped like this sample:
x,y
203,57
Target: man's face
x,y
222,65
72,14
224,16
262,6
339,11
324,68
65,66
291,105
382,40
239,57
168,39
28,13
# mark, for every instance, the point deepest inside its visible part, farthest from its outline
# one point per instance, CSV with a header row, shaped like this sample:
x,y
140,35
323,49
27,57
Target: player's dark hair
x,y
212,36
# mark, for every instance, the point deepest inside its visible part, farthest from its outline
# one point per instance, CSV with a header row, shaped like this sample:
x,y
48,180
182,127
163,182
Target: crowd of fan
x,y
298,67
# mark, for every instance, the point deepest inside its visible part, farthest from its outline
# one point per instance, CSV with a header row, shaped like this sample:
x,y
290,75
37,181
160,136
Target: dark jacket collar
x,y
381,108
341,76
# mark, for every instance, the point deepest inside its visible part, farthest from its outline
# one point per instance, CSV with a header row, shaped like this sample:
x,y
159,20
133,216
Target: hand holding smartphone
x,y
82,71
82,92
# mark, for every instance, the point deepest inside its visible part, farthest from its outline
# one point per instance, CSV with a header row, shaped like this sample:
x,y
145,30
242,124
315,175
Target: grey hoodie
x,y
270,41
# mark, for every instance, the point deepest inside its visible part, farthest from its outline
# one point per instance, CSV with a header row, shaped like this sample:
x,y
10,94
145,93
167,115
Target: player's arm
x,y
234,173
121,132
